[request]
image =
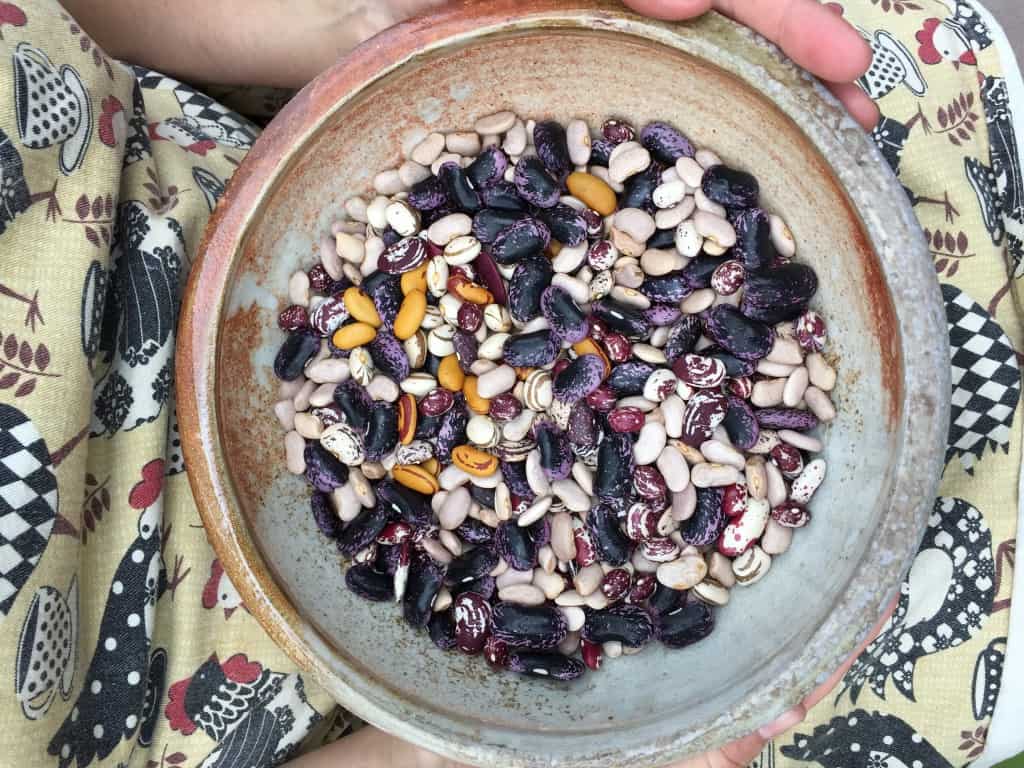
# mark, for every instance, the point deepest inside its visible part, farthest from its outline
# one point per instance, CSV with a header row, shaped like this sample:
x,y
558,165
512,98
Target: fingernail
x,y
783,723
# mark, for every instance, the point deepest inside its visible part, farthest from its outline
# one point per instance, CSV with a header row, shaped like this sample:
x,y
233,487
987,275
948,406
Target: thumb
x,y
670,10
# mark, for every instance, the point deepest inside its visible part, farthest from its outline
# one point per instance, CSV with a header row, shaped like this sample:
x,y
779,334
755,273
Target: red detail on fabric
x,y
969,58
112,109
925,36
241,670
12,14
212,585
175,709
147,490
201,147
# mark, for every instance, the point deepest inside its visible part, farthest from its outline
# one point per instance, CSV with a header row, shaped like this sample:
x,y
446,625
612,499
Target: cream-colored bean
x,y
756,476
428,150
717,452
704,204
628,159
551,584
465,143
707,475
768,393
690,171
301,400
697,301
294,450
776,538
388,182
656,262
796,386
516,139
800,440
777,490
777,370
820,404
822,375
684,503
781,236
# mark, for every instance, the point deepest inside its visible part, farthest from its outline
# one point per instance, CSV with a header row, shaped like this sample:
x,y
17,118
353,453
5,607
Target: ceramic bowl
x,y
728,90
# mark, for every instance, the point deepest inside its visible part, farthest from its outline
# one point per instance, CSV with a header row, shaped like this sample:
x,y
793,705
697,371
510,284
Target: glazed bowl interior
x,y
774,640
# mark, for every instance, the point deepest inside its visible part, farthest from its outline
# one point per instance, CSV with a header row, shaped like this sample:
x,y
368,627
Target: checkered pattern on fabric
x,y
986,379
197,105
28,501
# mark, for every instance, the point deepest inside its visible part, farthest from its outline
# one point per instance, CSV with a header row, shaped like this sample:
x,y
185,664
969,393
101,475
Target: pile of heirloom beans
x,y
554,391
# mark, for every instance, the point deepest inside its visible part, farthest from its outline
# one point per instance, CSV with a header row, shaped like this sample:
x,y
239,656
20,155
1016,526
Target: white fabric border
x,y
1005,737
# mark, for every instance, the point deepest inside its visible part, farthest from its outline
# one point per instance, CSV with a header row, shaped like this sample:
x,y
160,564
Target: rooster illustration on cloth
x,y
958,38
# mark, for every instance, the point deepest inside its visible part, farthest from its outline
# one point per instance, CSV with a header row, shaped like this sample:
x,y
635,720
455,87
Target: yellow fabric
x,y
100,211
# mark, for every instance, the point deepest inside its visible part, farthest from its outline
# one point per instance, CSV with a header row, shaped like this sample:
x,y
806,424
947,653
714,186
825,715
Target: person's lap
x,y
125,642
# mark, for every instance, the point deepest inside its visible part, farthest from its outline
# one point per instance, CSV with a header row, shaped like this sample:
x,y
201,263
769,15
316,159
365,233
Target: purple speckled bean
x,y
514,475
323,471
578,379
741,424
465,349
526,289
428,195
523,239
786,418
555,449
662,314
738,335
708,520
665,143
531,350
326,519
582,429
534,184
389,356
453,429
387,297
567,321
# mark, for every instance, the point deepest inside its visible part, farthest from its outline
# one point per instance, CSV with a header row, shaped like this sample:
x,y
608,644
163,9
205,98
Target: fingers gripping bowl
x,y
565,60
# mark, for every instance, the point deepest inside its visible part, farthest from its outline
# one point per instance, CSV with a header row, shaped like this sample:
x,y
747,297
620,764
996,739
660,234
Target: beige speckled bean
x,y
374,248
796,386
412,173
674,469
570,258
630,297
822,375
766,440
820,404
688,238
574,286
669,194
562,541
574,497
684,573
449,227
329,256
510,577
596,600
628,272
446,157
294,450
752,566
499,122
611,649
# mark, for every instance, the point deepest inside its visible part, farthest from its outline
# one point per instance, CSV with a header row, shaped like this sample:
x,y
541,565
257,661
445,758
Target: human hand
x,y
815,36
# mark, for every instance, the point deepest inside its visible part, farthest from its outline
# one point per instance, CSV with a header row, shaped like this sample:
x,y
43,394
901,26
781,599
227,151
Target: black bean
x,y
708,520
551,666
670,288
323,470
485,586
778,294
514,475
534,184
531,278
665,599
515,545
370,584
453,430
382,431
737,334
686,625
488,168
531,350
293,355
662,239
555,450
362,531
630,625
601,152
683,337
472,565
503,196
354,402
699,271
389,356
753,239
629,378
612,545
741,424
459,188
473,531
519,626
522,240
786,418
441,629
482,496
734,367
665,143
730,187
491,222
566,224
328,523
637,191
401,503
552,148
428,195
619,317
425,580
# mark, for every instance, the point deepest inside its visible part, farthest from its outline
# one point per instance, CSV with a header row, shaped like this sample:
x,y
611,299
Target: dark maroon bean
x,y
641,521
594,222
629,378
441,629
472,565
502,195
638,190
328,316
426,578
630,625
382,431
567,225
514,475
466,347
491,222
403,256
370,584
437,402
552,148
496,653
618,347
487,271
460,189
428,195
470,317
472,531
320,280
621,318
531,350
708,521
788,459
520,626
488,168
401,503
616,584
296,351
781,293
582,376
686,624
753,239
472,615
683,337
662,315
362,531
323,470
662,239
730,187
452,431
741,424
698,272
670,288
515,545
292,319
665,143
705,410
642,589
505,407
355,403
555,449
534,184
626,419
737,334
582,429
549,666
327,522
602,399
389,356
618,131
610,544
523,239
531,279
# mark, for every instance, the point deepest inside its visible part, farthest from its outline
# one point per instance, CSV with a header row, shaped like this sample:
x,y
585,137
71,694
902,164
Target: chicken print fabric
x,y
124,644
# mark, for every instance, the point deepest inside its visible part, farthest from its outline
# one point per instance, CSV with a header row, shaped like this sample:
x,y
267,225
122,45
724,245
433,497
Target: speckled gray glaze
x,y
726,89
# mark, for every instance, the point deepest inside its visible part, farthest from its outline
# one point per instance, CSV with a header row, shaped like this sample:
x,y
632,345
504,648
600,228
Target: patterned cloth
x,y
125,642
